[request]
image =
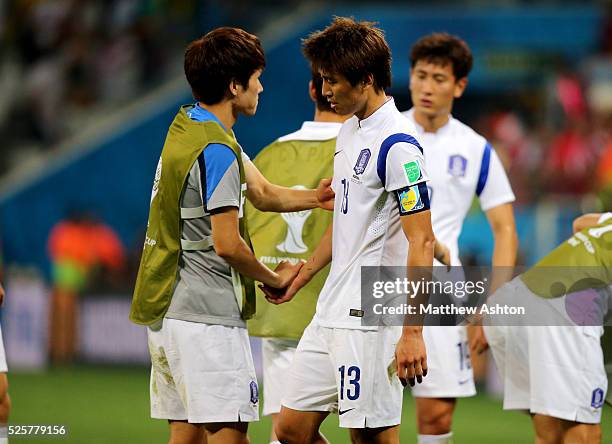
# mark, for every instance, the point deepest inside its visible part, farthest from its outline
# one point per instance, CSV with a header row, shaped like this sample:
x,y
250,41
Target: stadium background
x,y
88,88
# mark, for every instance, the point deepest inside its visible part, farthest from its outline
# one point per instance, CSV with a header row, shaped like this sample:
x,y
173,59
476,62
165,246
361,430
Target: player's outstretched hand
x,y
410,356
478,340
325,194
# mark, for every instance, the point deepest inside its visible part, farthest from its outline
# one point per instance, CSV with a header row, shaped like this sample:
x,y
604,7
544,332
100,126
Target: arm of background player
x,y
1,294
501,220
586,221
266,196
410,353
230,246
319,259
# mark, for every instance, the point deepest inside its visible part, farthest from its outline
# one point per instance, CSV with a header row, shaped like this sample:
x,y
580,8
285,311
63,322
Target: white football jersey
x,y
374,157
461,164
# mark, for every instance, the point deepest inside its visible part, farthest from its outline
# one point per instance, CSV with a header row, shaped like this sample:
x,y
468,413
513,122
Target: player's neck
x,y
222,111
329,116
375,101
431,124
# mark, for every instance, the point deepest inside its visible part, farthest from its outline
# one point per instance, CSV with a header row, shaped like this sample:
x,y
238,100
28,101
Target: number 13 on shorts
x,y
350,378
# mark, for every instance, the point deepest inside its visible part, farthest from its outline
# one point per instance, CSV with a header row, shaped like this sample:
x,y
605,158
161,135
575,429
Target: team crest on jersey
x,y
597,398
410,200
362,161
457,164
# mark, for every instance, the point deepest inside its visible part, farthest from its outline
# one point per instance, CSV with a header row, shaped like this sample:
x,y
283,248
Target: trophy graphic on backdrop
x,y
293,242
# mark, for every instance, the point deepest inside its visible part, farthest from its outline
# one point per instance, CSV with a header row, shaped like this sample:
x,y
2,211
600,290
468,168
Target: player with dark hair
x,y
298,160
461,165
195,282
381,207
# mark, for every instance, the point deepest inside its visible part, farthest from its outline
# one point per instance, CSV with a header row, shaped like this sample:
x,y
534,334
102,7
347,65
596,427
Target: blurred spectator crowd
x,y
66,62
560,143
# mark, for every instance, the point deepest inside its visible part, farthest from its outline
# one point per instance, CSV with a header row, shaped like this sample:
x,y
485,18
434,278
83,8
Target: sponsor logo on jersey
x,y
413,171
254,392
457,165
410,200
362,161
597,398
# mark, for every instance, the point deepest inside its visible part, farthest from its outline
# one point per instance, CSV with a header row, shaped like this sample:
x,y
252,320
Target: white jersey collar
x,y
421,130
314,131
378,116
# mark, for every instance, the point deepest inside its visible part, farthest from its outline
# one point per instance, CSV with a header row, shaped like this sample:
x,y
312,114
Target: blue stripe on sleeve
x,y
217,160
484,169
381,163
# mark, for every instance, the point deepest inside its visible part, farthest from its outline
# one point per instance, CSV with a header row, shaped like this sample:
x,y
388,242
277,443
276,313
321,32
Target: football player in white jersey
x,y
381,205
461,165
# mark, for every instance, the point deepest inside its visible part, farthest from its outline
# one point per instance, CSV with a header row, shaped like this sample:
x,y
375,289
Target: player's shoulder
x,y
466,136
218,151
348,128
400,130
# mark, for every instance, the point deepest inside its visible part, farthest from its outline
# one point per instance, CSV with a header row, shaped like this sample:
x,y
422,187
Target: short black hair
x,y
442,48
222,55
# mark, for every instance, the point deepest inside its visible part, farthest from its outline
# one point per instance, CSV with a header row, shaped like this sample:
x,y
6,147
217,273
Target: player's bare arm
x,y
230,246
410,353
1,295
266,196
501,220
585,221
319,259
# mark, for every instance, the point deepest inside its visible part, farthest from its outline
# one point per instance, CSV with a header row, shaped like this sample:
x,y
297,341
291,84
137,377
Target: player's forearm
x,y
506,246
585,221
504,256
320,257
420,262
242,259
285,200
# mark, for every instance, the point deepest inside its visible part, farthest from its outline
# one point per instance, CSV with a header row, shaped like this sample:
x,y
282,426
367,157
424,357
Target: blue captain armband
x,y
412,199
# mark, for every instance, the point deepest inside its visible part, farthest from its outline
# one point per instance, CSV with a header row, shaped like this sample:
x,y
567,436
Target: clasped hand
x,y
291,280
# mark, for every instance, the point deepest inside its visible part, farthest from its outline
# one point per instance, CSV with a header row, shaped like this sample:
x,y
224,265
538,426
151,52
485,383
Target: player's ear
x,y
233,87
312,90
368,81
460,86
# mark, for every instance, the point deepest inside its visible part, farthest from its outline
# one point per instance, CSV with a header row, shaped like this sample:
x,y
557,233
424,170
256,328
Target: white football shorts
x,y
202,373
351,372
277,357
449,366
556,371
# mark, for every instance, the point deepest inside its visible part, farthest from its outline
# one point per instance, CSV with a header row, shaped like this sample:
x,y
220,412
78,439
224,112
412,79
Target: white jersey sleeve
x,y
405,166
493,187
604,217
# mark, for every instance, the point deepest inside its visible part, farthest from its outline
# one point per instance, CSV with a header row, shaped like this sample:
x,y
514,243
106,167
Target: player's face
x,y
246,99
343,97
433,88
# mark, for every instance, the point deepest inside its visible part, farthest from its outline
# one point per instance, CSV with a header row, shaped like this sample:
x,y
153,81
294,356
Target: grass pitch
x,y
100,405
